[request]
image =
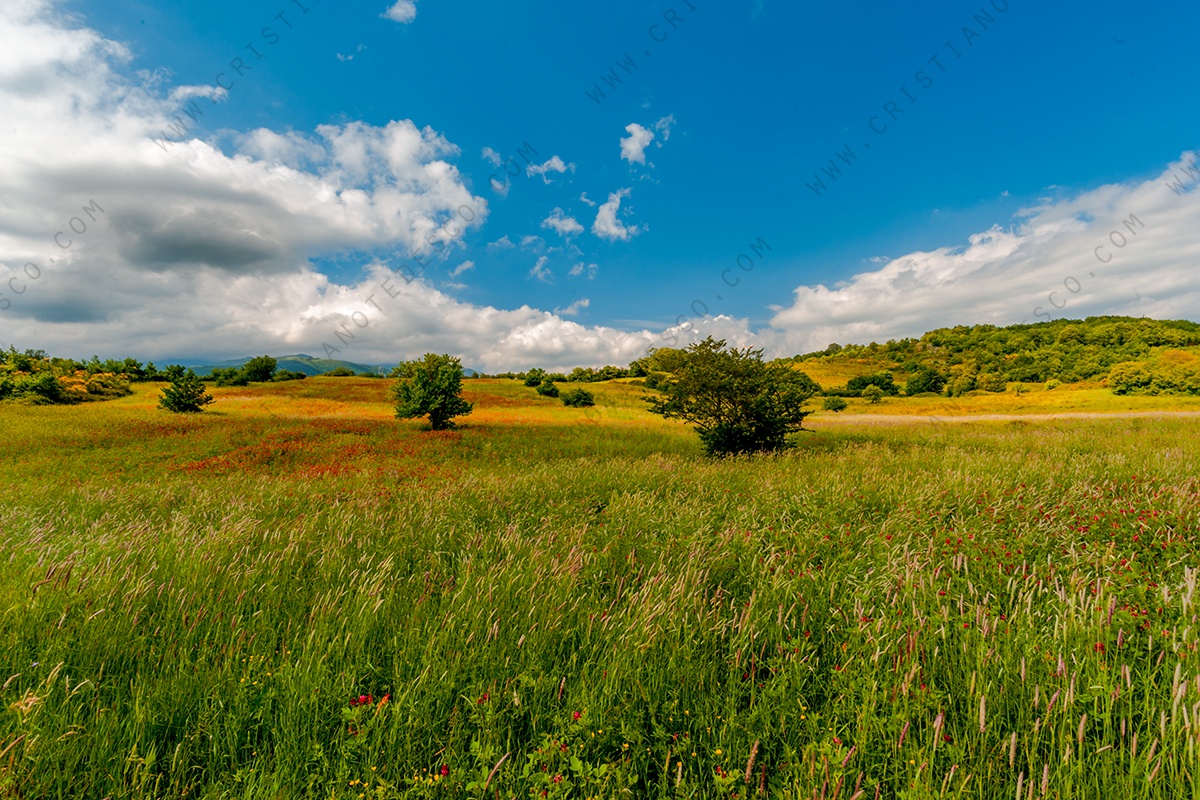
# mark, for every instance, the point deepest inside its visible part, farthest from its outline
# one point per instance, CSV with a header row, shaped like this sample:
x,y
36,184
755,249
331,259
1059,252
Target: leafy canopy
x,y
185,394
430,386
736,402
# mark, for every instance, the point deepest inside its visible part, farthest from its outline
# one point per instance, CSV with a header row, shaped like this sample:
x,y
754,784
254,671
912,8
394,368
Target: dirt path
x,y
899,419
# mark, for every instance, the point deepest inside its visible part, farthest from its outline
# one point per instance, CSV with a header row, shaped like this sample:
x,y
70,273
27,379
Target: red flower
x,y
445,770
558,778
576,715
1098,647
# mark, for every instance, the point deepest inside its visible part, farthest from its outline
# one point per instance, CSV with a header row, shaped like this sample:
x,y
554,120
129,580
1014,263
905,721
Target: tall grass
x,y
268,603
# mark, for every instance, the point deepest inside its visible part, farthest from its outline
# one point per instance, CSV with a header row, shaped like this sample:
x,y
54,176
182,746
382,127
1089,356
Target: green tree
x,y
735,401
924,380
578,398
185,394
535,376
872,394
430,386
260,369
547,388
834,403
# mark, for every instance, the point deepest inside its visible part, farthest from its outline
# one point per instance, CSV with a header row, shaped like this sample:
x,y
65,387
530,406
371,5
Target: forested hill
x,y
1064,350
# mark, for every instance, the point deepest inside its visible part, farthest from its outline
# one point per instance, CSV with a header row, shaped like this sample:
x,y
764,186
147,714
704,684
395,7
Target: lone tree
x,y
430,386
185,394
736,402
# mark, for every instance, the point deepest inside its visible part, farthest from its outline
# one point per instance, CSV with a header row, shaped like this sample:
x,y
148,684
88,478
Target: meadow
x,y
295,595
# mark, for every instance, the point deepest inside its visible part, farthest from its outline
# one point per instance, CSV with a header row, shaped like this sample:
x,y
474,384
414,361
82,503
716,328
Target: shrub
x,y
872,394
578,398
736,402
289,375
834,403
430,386
228,376
535,377
1053,383
339,372
991,382
185,394
547,388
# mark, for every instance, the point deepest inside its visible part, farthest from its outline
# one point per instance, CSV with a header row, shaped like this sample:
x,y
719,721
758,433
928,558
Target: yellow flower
x,y
719,751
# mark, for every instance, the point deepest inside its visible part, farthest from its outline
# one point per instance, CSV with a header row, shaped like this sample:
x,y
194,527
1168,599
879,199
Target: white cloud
x,y
461,268
587,200
581,268
555,164
541,271
608,226
664,127
573,309
564,225
633,147
492,157
403,11
503,243
1045,266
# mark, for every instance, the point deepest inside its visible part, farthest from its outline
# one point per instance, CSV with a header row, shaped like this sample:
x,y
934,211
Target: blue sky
x,y
1008,134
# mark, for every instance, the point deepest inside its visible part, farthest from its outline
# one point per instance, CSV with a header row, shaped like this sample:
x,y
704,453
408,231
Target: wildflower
x,y
445,770
1098,647
576,715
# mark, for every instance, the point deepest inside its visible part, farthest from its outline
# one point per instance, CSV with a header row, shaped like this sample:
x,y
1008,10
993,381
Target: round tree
x,y
736,402
431,386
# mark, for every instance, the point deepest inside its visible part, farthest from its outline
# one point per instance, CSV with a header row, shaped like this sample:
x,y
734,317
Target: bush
x,y
1053,383
578,398
547,388
872,394
339,372
991,382
736,402
288,375
228,376
834,403
185,394
430,386
535,377
883,380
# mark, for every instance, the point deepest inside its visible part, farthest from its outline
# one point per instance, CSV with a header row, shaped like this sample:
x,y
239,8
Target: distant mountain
x,y
307,364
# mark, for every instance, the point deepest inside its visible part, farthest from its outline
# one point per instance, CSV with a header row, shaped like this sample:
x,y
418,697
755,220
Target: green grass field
x,y
295,595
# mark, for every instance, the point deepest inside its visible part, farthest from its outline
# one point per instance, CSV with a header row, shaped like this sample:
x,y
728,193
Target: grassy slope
x,y
217,588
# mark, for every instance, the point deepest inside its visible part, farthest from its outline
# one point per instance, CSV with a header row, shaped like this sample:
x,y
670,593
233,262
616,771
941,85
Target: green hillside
x,y
966,358
307,364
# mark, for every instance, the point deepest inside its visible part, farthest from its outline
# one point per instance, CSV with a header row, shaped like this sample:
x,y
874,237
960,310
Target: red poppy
x,y
575,716
445,770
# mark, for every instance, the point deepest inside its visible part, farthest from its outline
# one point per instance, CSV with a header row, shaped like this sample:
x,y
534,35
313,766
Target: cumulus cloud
x,y
503,243
1119,249
633,147
608,226
403,11
555,164
561,223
